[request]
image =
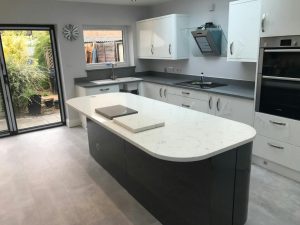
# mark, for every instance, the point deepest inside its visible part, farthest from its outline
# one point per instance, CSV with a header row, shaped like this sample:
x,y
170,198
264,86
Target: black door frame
x,y
12,123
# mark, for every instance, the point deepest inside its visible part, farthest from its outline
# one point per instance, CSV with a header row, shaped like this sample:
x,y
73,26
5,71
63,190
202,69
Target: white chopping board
x,y
138,123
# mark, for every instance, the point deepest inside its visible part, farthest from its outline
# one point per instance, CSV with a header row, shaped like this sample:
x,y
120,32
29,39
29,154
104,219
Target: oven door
x,y
280,63
280,97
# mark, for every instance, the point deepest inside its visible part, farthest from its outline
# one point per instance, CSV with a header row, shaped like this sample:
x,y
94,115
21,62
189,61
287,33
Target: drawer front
x,y
102,90
278,128
190,103
278,152
188,93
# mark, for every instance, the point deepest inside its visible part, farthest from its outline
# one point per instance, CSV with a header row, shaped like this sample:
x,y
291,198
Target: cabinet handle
x,y
152,49
160,92
185,93
170,49
165,93
263,20
186,106
218,105
209,103
277,123
275,146
231,48
104,89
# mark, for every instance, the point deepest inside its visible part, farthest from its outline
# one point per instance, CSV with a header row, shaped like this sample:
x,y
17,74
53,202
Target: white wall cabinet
x,y
243,31
280,18
238,109
163,37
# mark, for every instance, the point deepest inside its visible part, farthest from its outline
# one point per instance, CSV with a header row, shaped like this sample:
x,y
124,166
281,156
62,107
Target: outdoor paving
x,y
32,121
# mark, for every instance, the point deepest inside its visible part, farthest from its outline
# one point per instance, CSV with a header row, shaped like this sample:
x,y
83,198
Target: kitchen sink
x,y
200,84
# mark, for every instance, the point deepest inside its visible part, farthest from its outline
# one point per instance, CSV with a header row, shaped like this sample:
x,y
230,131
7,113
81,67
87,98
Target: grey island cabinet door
x,y
108,150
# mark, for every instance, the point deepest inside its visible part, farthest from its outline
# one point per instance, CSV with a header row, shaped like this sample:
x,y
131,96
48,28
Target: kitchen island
x,y
194,170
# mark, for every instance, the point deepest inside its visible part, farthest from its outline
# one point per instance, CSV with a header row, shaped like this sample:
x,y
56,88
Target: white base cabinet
x,y
163,37
81,91
243,31
277,144
238,109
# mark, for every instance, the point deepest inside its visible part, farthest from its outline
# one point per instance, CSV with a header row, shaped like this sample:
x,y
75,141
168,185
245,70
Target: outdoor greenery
x,y
26,65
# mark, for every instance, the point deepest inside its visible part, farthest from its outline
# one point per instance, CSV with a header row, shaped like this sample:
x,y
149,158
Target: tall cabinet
x,y
243,31
163,37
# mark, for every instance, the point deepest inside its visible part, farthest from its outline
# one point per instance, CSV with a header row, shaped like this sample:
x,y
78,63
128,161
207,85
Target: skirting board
x,y
274,167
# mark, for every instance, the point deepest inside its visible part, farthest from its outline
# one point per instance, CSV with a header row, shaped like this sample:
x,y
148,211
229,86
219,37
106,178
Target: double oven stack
x,y
278,80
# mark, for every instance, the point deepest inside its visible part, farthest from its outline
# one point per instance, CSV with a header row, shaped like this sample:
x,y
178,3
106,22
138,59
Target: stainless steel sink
x,y
200,84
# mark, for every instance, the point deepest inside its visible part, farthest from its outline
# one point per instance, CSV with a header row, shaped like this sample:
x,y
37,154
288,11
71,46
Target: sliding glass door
x,y
3,118
31,79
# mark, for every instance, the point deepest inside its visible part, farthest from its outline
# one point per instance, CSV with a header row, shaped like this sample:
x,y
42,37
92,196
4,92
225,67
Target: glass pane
x,y
283,64
30,66
3,121
103,46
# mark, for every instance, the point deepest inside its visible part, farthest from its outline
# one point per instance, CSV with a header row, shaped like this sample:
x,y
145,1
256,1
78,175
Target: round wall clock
x,y
71,32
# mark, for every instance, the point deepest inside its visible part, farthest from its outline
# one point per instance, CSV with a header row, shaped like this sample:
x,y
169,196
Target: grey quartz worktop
x,y
237,88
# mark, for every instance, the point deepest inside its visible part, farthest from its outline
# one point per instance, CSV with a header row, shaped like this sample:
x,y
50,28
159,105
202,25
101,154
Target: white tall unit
x,y
243,31
163,37
280,18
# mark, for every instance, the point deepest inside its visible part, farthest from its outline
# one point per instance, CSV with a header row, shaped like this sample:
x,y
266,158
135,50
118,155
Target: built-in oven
x,y
278,79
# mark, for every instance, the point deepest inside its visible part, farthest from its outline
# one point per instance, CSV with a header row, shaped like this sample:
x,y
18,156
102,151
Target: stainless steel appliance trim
x,y
281,78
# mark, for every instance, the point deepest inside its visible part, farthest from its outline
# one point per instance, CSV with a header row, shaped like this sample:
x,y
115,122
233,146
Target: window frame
x,y
97,66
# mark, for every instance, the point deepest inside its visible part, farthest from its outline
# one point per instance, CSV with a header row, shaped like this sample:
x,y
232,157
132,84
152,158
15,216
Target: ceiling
x,y
121,2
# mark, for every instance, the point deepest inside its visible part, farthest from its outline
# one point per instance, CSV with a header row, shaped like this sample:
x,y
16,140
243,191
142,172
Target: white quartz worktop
x,y
187,135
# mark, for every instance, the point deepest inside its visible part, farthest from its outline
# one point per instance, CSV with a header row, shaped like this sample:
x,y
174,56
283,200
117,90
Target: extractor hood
x,y
209,39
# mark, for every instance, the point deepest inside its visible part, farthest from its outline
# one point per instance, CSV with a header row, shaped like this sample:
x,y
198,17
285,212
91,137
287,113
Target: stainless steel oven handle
x,y
275,146
282,50
278,123
281,78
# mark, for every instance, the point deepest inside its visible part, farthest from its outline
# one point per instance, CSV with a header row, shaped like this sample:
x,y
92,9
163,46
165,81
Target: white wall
x,y
210,66
59,13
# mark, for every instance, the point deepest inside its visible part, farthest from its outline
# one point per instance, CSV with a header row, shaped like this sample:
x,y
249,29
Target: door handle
x,y
152,49
186,106
275,146
165,93
209,103
218,105
170,49
263,20
278,123
231,48
185,93
160,92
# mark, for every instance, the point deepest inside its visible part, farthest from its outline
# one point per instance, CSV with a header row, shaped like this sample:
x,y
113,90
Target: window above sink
x,y
105,44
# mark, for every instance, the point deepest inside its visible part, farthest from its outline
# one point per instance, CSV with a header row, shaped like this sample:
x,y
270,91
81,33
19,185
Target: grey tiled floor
x,y
48,178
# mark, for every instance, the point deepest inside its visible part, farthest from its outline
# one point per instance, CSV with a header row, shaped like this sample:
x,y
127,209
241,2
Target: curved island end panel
x,y
193,171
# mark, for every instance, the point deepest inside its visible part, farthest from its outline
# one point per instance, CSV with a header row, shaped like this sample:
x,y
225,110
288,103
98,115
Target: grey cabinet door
x,y
108,150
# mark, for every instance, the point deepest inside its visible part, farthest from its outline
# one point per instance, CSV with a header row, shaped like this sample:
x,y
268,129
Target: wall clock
x,y
71,32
